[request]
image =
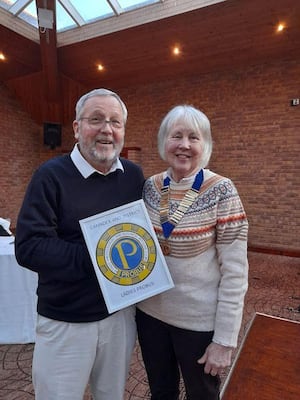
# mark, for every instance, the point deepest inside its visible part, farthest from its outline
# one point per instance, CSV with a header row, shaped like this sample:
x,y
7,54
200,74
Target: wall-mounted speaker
x,y
52,135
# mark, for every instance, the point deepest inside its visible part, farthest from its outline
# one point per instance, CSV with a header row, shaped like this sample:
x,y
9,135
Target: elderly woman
x,y
201,225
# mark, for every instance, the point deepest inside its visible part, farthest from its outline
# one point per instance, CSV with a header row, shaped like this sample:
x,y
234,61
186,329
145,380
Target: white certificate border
x,y
118,296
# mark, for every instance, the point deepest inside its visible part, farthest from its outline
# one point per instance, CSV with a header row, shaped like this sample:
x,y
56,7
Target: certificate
x,y
126,255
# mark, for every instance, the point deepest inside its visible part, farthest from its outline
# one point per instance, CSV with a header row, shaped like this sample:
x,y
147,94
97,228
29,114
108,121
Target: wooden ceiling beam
x,y
49,61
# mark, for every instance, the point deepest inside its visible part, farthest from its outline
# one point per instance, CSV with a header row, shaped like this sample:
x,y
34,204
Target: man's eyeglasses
x,y
99,122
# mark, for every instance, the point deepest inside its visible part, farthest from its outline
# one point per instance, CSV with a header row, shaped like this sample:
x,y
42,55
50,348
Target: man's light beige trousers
x,y
68,356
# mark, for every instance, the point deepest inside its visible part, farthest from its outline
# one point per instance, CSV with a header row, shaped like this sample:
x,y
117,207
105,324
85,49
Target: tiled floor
x,y
274,289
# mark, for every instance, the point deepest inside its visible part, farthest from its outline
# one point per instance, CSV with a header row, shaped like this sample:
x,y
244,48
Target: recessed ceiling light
x,y
176,50
2,57
280,27
100,67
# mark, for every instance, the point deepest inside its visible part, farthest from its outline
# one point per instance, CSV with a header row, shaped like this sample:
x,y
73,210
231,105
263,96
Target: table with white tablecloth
x,y
17,297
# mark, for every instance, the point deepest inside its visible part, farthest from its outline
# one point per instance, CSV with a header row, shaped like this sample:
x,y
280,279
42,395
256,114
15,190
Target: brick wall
x,y
255,132
19,144
256,137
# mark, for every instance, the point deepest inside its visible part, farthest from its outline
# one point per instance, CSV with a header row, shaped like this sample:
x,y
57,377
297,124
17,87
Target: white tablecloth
x,y
17,298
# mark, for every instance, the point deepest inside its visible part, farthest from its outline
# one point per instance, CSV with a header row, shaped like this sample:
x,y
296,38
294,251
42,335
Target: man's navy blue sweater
x,y
49,239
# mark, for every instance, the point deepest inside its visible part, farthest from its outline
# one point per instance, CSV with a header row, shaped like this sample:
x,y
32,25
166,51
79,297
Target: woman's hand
x,y
216,358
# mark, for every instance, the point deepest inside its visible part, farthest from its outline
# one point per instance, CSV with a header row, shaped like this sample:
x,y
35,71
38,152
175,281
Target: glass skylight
x,y
73,13
29,14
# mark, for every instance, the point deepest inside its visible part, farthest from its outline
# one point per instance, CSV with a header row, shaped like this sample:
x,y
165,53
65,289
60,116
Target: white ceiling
x,y
78,20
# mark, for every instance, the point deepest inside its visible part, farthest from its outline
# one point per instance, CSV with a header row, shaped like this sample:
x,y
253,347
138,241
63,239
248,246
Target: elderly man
x,y
77,341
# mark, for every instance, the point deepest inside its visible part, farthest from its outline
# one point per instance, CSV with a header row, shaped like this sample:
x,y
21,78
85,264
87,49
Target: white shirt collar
x,y
86,169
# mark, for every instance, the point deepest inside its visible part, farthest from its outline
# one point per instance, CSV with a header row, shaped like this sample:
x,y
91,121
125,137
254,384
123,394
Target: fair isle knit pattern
x,y
208,259
217,215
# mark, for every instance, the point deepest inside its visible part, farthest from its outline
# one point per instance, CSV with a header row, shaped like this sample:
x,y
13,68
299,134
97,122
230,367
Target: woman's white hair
x,y
193,119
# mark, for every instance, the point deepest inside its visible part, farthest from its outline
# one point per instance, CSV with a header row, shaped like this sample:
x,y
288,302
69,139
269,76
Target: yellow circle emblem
x,y
126,254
